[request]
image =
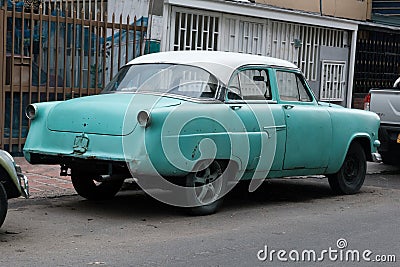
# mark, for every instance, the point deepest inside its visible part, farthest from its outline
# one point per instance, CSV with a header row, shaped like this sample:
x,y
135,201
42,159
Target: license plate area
x,y
81,144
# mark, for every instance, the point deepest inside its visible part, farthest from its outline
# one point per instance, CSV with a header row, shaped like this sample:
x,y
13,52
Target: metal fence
x,y
377,60
55,55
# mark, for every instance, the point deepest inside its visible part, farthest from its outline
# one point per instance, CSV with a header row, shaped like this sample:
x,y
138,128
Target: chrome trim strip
x,y
181,97
277,128
244,102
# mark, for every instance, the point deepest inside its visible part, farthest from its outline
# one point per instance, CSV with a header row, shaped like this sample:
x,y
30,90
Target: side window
x,y
250,84
292,87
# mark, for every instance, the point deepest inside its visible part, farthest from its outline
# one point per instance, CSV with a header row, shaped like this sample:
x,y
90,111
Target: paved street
x,y
135,230
45,180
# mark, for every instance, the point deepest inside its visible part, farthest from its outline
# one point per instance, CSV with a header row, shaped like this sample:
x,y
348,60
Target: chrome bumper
x,y
23,182
376,157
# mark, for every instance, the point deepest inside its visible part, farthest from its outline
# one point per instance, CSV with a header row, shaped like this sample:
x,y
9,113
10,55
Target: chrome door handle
x,y
236,107
273,129
288,106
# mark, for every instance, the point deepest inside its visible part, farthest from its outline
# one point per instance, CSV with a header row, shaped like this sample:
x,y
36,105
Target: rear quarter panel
x,y
181,136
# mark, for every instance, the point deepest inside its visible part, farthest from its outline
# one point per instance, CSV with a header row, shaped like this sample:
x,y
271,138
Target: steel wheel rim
x,y
351,171
207,184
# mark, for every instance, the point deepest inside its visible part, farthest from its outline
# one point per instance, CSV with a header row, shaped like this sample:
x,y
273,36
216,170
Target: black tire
x,y
3,204
349,179
86,186
209,188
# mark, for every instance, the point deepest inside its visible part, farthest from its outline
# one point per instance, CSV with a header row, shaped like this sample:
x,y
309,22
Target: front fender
x,y
357,137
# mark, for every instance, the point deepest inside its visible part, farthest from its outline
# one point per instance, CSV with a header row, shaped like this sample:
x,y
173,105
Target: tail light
x,y
367,101
31,111
144,118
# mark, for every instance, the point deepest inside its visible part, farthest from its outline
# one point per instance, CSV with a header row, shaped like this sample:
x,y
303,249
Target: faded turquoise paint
x,y
310,138
346,128
309,133
211,124
105,146
104,114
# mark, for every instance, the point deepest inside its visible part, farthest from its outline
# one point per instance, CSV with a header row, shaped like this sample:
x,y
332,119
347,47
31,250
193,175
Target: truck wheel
x,y
86,186
349,179
3,204
208,188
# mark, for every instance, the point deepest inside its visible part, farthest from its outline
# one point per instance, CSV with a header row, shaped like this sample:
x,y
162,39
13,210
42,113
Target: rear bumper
x,y
389,135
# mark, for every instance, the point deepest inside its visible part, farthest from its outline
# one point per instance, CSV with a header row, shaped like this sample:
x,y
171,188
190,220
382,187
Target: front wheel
x,y
3,204
349,179
86,186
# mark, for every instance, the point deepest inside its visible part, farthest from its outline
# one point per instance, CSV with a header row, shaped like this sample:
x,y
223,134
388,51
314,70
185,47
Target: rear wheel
x,y
351,176
3,204
87,186
208,188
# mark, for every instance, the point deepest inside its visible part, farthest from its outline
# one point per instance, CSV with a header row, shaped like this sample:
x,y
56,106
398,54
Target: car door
x,y
250,96
308,125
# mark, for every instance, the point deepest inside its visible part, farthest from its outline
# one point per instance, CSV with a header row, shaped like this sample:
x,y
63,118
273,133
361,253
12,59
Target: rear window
x,y
164,78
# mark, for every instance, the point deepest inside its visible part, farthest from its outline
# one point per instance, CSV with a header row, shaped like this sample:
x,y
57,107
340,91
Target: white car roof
x,y
220,64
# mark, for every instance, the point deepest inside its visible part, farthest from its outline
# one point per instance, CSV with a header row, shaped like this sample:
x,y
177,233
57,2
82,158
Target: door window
x,y
250,84
292,87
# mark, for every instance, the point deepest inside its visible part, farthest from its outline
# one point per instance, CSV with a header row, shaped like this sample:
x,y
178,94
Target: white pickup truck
x,y
386,103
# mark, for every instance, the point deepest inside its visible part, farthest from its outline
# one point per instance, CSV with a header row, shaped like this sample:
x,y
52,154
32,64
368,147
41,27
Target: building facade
x,y
378,50
322,46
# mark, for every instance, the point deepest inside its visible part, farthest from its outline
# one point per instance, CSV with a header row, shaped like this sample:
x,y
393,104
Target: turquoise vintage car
x,y
196,122
13,183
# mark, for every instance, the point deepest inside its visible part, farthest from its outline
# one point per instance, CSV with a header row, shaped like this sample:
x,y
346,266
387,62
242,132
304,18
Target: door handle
x,y
273,129
288,106
236,107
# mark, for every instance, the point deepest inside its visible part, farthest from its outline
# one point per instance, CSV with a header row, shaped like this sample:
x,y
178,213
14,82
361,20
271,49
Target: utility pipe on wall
x,y
320,6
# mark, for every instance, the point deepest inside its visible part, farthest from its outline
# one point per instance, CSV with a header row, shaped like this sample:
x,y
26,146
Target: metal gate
x,y
195,31
54,54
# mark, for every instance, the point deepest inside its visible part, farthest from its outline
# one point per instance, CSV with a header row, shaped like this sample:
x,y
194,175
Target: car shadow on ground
x,y
134,208
138,204
279,191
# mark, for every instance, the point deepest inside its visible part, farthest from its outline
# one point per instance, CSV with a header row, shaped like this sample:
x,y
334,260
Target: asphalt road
x,y
134,230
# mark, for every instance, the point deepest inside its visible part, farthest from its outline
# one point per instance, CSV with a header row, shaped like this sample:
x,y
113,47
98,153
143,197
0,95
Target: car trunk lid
x,y
103,114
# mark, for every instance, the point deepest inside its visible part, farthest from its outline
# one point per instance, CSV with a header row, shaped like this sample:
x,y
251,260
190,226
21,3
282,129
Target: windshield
x,y
164,78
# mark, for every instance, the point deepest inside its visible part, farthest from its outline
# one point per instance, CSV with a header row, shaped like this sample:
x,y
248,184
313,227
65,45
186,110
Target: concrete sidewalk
x,y
45,180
